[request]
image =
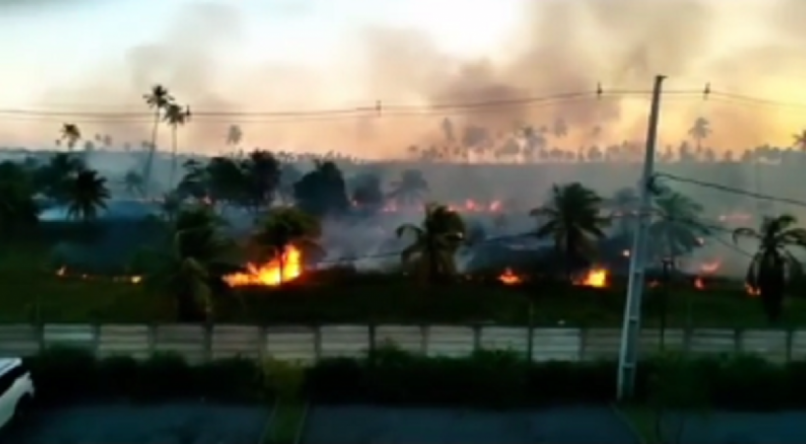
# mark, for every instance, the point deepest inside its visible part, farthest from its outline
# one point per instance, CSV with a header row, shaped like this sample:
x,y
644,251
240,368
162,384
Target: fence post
x,y
152,338
530,342
371,337
39,336
790,333
96,339
476,337
583,342
262,342
207,345
425,333
317,342
738,340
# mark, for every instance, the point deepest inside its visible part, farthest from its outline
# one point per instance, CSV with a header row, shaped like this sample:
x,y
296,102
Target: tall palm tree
x,y
158,98
771,263
799,140
436,241
700,131
283,227
71,134
676,229
87,195
175,116
411,187
572,218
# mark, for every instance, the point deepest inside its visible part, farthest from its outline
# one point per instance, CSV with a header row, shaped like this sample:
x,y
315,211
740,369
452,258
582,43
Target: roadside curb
x,y
267,426
626,421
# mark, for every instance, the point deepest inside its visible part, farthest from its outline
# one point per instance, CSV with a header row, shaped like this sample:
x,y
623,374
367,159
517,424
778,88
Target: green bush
x,y
389,375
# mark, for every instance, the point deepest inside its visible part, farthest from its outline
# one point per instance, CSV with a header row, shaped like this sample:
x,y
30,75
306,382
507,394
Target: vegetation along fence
x,y
199,343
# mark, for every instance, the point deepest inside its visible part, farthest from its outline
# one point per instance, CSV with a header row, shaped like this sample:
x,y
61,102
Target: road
x,y
387,425
185,423
743,428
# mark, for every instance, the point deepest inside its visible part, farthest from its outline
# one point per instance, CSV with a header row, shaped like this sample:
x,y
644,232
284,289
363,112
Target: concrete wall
x,y
199,343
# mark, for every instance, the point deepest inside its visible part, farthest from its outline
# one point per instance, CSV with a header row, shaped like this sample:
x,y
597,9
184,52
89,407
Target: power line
x,y
755,101
377,109
732,190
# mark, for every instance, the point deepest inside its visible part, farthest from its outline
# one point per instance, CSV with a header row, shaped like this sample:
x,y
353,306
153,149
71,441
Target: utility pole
x,y
628,355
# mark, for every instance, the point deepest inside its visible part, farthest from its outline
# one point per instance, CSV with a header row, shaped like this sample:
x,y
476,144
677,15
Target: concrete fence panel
x,y
711,341
190,341
292,343
125,340
514,339
20,340
69,335
772,344
797,345
410,338
344,341
652,342
450,341
556,344
601,343
229,341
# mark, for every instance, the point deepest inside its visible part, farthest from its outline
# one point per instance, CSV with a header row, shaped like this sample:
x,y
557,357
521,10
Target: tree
x,y
192,266
367,194
773,261
70,134
676,229
624,203
411,187
175,116
234,135
87,195
17,206
286,226
572,219
54,177
436,241
700,131
133,183
261,174
800,140
322,191
158,98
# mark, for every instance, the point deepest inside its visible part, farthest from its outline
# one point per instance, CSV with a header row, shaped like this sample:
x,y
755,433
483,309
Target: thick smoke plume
x,y
746,46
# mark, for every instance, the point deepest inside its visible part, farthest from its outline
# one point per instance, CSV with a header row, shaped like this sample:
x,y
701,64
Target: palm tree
x,y
71,134
411,187
573,220
175,116
234,135
53,178
158,98
286,226
17,206
87,195
133,183
700,131
436,241
770,265
676,229
800,140
192,266
624,204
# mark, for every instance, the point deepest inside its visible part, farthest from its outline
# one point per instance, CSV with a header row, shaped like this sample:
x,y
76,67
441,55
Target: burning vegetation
x,y
281,269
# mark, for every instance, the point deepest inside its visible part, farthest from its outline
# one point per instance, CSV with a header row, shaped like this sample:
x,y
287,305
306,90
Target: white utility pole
x,y
628,355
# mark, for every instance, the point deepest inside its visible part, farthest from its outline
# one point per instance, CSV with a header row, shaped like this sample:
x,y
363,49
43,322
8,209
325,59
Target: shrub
x,y
390,375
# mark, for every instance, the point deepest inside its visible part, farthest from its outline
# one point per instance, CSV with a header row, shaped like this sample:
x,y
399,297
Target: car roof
x,y
7,364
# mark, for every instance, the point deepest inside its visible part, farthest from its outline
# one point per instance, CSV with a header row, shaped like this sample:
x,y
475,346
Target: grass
x,y
286,423
642,420
30,291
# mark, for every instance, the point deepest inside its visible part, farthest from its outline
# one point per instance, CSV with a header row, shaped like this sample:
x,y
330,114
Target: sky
x,y
271,55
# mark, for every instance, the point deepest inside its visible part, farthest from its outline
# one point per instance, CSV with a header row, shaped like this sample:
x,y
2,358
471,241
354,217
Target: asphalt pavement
x,y
362,424
787,427
174,423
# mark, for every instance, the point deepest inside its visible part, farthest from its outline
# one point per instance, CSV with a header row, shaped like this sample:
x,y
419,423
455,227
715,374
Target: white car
x,y
16,389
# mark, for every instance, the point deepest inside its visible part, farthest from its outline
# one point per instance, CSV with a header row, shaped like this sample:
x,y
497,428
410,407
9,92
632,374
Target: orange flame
x,y
752,291
699,284
595,277
710,267
270,274
509,278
